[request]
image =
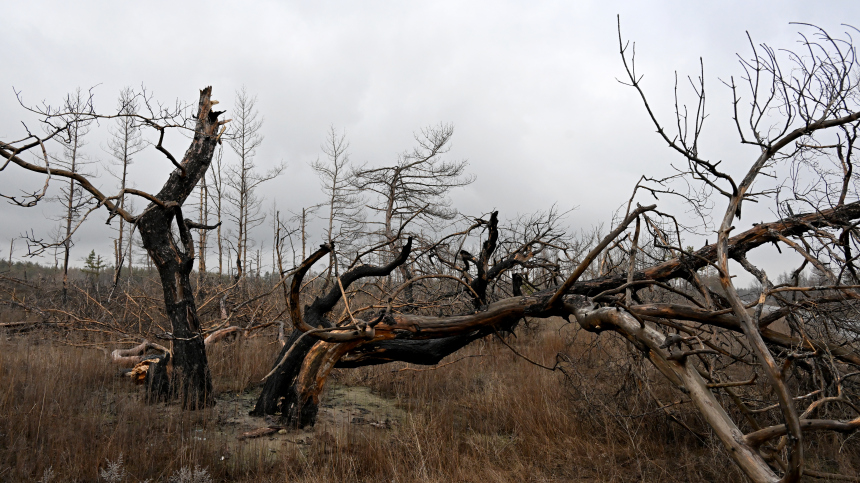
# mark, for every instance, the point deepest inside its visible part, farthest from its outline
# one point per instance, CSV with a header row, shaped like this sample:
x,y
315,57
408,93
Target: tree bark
x,y
299,374
192,380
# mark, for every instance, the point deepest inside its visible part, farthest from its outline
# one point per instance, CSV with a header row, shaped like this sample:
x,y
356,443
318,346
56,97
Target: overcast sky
x,y
529,86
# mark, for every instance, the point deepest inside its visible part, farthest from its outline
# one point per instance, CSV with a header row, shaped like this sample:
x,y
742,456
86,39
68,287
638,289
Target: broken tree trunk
x,y
174,261
284,393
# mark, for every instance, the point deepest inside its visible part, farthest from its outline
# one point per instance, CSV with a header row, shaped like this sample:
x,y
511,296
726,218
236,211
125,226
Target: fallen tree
x,y
756,370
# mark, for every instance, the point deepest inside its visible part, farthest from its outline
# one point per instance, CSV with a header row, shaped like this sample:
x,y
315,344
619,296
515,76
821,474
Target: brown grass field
x,y
485,414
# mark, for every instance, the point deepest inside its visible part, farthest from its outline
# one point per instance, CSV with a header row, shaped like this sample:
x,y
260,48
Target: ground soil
x,y
342,409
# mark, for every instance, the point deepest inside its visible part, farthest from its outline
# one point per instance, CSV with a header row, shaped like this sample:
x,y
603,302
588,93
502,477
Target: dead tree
x,y
767,375
292,390
73,159
216,195
125,141
158,224
415,189
343,204
812,92
244,178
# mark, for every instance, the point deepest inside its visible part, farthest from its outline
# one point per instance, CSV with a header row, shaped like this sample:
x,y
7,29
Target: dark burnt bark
x,y
482,279
310,381
192,380
517,284
158,381
422,352
279,394
278,390
174,261
283,393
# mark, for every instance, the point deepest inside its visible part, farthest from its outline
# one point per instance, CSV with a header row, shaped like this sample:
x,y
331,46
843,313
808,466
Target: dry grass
x,y
496,417
490,416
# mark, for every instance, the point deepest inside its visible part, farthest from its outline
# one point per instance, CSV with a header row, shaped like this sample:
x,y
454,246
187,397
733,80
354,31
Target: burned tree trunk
x,y
149,369
174,259
279,392
192,380
292,387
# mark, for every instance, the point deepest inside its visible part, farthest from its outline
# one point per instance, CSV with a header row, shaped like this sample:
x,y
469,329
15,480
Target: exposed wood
x,y
259,432
222,334
135,355
763,435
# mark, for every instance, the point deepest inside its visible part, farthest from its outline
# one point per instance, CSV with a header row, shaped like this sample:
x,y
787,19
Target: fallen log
x,y
136,355
259,432
222,334
24,326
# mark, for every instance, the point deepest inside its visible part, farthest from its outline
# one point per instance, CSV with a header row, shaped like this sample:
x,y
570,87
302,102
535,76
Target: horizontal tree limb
x,y
757,438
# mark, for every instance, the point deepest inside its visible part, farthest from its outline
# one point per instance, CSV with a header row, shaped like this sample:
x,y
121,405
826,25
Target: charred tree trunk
x,y
292,388
310,381
192,380
174,258
279,394
158,381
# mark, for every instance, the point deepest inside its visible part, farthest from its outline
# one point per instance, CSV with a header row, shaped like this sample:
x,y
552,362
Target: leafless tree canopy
x,y
243,178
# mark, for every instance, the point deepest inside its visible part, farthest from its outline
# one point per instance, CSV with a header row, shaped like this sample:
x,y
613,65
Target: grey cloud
x,y
531,87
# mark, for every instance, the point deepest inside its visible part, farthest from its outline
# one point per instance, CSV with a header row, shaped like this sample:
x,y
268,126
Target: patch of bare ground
x,y
344,409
